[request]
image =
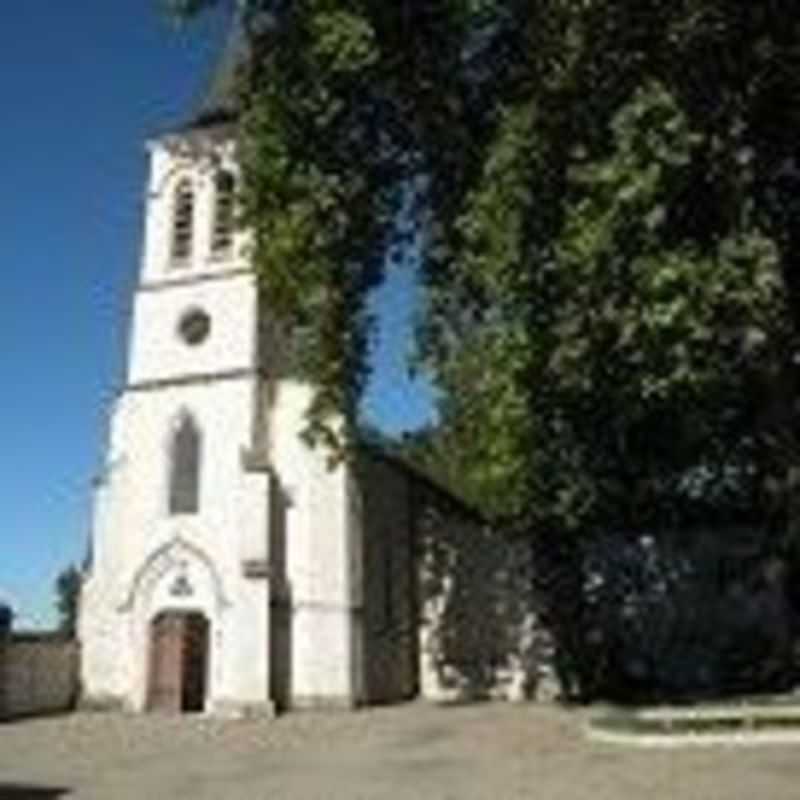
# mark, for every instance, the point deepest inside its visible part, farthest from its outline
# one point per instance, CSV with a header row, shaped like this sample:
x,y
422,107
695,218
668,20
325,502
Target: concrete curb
x,y
595,728
683,740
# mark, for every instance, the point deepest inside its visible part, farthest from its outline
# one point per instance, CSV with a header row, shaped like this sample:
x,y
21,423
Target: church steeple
x,y
220,101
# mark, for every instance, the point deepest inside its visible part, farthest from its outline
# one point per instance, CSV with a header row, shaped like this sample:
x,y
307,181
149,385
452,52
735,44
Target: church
x,y
233,570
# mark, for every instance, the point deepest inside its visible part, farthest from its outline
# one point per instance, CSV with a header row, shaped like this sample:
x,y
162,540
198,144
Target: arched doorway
x,y
178,662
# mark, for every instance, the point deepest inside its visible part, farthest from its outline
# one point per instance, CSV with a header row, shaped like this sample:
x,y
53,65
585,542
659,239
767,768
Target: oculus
x,y
194,327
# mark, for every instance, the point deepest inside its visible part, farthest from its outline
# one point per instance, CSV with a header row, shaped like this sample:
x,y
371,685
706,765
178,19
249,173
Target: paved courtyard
x,y
498,752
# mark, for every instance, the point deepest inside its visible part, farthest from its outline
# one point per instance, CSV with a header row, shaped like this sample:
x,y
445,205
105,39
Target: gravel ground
x,y
416,751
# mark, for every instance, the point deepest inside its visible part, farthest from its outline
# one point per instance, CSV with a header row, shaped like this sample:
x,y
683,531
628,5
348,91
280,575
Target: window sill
x,y
221,257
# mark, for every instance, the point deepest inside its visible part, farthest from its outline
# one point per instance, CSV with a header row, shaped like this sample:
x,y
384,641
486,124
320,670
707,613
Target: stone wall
x,y
450,611
480,634
38,675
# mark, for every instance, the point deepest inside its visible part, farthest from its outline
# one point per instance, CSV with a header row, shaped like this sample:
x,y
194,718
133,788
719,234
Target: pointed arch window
x,y
224,209
183,222
185,466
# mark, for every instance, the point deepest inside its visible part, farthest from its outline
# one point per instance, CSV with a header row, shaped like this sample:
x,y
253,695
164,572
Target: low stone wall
x,y
480,634
38,675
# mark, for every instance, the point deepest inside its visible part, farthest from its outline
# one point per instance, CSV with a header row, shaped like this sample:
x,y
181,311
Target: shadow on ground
x,y
13,791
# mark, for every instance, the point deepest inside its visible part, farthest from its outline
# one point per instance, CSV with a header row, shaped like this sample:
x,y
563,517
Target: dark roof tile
x,y
220,102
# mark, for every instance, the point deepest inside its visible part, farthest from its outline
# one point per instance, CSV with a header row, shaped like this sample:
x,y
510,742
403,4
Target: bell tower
x,y
225,555
195,310
180,509
194,314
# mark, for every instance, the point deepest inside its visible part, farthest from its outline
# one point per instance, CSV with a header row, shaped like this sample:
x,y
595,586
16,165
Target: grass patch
x,y
682,724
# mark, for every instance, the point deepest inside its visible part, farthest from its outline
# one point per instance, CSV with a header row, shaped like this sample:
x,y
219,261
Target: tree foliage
x,y
603,196
68,589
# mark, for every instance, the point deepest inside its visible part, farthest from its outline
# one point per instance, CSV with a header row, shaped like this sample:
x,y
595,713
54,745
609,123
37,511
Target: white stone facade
x,y
271,536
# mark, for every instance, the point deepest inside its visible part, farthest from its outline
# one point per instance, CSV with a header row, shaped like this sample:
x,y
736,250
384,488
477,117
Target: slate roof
x,y
220,103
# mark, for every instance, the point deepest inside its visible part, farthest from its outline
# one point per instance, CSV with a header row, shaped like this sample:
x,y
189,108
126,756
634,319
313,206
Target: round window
x,y
194,327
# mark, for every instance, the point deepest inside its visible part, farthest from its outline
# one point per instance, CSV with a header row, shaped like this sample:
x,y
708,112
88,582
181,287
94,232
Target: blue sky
x,y
82,86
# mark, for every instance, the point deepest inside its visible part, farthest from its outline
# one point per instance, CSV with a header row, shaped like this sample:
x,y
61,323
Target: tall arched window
x,y
185,463
183,222
224,205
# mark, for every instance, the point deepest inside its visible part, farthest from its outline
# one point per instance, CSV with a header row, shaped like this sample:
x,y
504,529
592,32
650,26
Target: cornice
x,y
191,280
194,380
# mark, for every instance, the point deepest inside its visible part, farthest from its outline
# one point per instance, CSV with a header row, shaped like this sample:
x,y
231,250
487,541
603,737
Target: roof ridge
x,y
220,101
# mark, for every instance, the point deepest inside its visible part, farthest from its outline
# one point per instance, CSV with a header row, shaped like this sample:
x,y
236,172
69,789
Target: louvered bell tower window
x,y
183,223
224,206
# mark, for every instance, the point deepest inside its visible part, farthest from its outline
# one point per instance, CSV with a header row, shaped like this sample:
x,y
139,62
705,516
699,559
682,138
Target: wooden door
x,y
178,663
164,685
194,663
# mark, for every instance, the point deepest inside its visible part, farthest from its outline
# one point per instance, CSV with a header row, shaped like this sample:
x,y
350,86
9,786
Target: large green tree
x,y
603,196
